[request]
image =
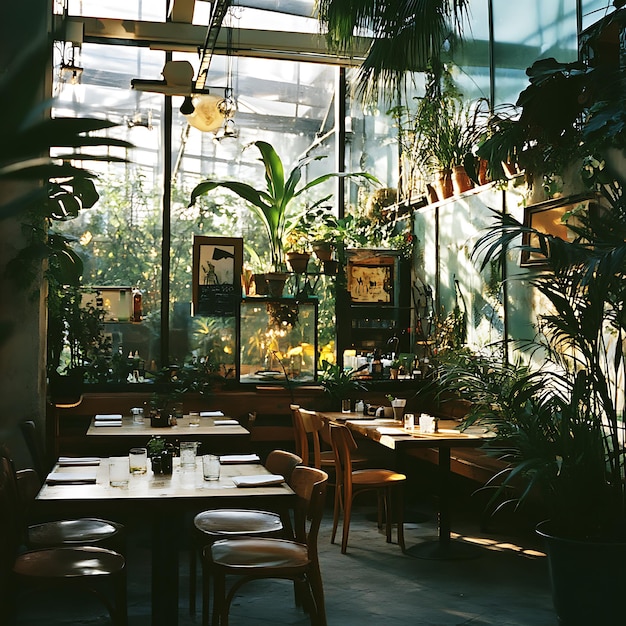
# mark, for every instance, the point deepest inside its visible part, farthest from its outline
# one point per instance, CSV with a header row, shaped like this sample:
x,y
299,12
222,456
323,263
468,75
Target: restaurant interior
x,y
312,311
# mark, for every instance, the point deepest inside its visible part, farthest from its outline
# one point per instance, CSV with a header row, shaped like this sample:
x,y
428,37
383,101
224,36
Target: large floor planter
x,y
588,579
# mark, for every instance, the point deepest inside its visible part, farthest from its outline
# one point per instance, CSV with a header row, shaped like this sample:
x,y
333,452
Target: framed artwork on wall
x,y
550,217
217,265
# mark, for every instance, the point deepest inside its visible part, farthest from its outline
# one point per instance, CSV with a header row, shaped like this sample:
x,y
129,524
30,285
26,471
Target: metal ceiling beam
x,y
182,37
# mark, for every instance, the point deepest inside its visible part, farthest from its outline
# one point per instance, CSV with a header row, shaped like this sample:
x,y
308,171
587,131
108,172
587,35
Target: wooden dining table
x,y
392,434
215,434
163,501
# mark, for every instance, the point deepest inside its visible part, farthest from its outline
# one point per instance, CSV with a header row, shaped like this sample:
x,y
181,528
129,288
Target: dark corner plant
x,y
271,204
564,431
28,134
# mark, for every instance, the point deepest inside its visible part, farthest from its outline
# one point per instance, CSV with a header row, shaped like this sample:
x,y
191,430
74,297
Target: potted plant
x,y
394,368
272,203
297,249
340,383
563,431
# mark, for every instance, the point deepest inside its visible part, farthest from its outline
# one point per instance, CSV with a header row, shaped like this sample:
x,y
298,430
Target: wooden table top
x,y
180,485
392,434
207,427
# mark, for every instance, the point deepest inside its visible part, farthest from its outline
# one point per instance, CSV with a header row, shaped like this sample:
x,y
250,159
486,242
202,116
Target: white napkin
x,y
84,460
112,417
239,458
108,423
226,423
211,414
258,480
84,477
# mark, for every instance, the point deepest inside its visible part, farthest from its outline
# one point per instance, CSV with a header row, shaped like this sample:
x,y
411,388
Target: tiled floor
x,y
506,585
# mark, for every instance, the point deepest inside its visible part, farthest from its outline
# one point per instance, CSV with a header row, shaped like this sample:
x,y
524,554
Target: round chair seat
x,y
237,522
69,563
376,477
77,531
259,553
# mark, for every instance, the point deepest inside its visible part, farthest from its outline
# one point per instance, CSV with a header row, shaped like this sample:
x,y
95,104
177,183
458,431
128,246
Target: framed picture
x,y
370,283
217,264
550,217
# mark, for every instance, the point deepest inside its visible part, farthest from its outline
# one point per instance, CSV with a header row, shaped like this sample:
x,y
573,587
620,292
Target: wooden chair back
x,y
283,463
344,446
308,427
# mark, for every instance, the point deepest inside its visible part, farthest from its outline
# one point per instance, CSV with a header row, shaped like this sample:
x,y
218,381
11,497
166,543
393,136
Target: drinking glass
x,y
118,471
138,460
188,451
211,467
194,419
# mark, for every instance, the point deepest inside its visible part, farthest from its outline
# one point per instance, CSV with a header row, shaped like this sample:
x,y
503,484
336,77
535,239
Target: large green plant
x,y
565,436
272,203
406,36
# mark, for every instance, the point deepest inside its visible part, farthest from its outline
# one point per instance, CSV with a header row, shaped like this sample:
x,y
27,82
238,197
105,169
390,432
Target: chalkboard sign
x,y
217,263
217,300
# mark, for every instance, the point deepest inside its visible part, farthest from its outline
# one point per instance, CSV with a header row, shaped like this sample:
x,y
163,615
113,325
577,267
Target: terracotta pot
x,y
443,184
330,267
483,172
260,284
276,283
298,261
461,182
323,250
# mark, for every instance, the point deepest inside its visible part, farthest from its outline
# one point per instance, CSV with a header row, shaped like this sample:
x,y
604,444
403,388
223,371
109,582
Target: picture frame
x,y
547,217
371,278
216,270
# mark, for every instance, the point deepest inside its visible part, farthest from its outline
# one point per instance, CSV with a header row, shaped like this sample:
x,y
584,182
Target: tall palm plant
x,y
407,35
271,204
574,415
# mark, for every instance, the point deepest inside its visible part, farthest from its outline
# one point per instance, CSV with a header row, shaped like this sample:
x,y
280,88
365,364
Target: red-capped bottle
x,y
136,305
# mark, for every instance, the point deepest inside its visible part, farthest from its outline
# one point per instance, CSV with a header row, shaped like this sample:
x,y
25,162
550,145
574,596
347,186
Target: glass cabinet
x,y
278,339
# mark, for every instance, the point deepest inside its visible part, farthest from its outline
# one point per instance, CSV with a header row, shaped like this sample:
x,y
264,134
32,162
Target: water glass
x,y
138,460
118,471
211,467
194,419
409,421
188,454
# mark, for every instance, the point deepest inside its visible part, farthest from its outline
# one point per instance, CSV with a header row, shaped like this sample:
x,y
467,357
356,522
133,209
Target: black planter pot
x,y
588,578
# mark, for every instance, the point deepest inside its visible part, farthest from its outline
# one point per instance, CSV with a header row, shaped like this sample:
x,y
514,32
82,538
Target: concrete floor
x,y
505,585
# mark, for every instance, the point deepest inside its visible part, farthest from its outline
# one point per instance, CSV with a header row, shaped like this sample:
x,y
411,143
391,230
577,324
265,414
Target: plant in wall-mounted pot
x,y
272,204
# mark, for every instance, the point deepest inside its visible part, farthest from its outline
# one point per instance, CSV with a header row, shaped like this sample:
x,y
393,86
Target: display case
x,y
278,339
374,312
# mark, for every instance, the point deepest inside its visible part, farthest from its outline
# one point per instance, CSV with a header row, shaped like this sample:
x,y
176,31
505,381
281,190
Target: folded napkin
x,y
225,422
84,477
258,480
239,458
83,460
211,414
108,423
112,417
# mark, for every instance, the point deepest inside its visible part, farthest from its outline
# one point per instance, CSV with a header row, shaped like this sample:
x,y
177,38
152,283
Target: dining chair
x,y
214,524
313,444
78,567
387,484
51,533
294,559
